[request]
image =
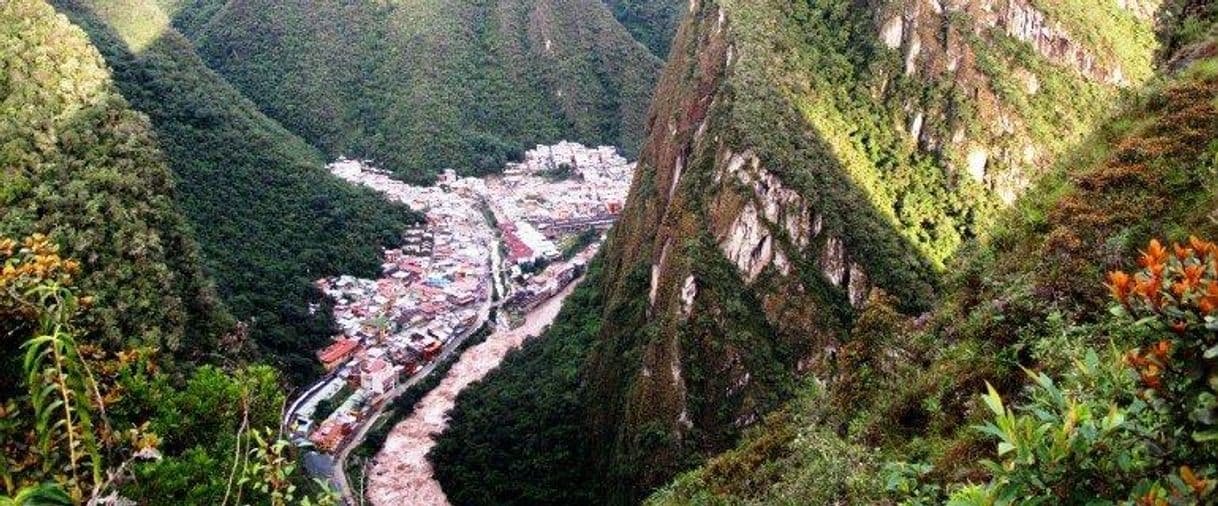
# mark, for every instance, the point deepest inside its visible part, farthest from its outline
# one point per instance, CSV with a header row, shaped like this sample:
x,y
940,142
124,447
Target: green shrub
x,y
1136,427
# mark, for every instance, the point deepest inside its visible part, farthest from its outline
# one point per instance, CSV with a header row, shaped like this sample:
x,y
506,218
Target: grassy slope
x,y
80,165
269,218
425,85
1031,297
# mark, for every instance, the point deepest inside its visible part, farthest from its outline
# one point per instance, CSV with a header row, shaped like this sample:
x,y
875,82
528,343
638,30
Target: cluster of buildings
x,y
595,189
432,289
534,289
540,216
437,284
525,245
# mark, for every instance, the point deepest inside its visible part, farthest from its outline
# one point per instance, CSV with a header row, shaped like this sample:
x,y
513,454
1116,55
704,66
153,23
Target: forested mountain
x,y
819,175
108,320
269,218
424,86
82,167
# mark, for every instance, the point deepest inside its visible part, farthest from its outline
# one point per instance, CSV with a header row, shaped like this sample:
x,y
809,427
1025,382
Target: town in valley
x,y
489,251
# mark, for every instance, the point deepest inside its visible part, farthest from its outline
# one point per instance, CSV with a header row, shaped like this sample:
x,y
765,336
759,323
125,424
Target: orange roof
x,y
338,351
328,436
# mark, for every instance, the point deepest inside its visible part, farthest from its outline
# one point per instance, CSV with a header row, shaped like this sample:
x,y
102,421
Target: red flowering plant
x,y
1176,290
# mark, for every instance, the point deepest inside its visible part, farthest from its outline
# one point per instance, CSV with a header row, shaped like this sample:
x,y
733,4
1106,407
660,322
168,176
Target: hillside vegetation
x,y
804,158
652,22
268,217
900,420
82,167
421,86
107,321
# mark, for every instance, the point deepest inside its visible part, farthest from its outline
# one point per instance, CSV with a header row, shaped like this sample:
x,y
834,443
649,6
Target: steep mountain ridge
x,y
268,216
421,86
902,391
799,157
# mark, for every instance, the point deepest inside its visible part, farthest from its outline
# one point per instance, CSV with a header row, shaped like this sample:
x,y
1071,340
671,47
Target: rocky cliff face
x,y
799,158
904,389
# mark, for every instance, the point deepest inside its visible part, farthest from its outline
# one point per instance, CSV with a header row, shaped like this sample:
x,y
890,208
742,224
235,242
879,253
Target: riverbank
x,y
400,473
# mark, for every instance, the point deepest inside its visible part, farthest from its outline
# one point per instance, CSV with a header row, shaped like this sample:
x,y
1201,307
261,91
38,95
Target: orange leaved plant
x,y
1177,289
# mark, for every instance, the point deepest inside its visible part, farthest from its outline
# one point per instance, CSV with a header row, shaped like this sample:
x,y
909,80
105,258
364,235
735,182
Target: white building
x,y
378,376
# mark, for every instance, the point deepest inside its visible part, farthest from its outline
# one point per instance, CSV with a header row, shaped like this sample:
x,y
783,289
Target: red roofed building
x,y
518,251
337,352
432,349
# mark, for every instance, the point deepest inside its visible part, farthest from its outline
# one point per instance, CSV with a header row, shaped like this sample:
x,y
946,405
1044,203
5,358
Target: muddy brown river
x,y
400,474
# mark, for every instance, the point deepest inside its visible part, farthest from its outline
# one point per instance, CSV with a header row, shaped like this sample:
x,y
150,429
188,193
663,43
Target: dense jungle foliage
x,y
652,22
94,424
543,379
79,165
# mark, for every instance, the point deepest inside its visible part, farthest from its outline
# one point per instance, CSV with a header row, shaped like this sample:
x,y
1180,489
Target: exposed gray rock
x,y
656,269
689,291
748,244
676,177
1023,21
833,261
859,286
978,159
915,125
893,32
911,55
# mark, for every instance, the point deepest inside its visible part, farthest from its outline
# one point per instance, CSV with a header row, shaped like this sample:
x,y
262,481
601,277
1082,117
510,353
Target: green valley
x,y
620,252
